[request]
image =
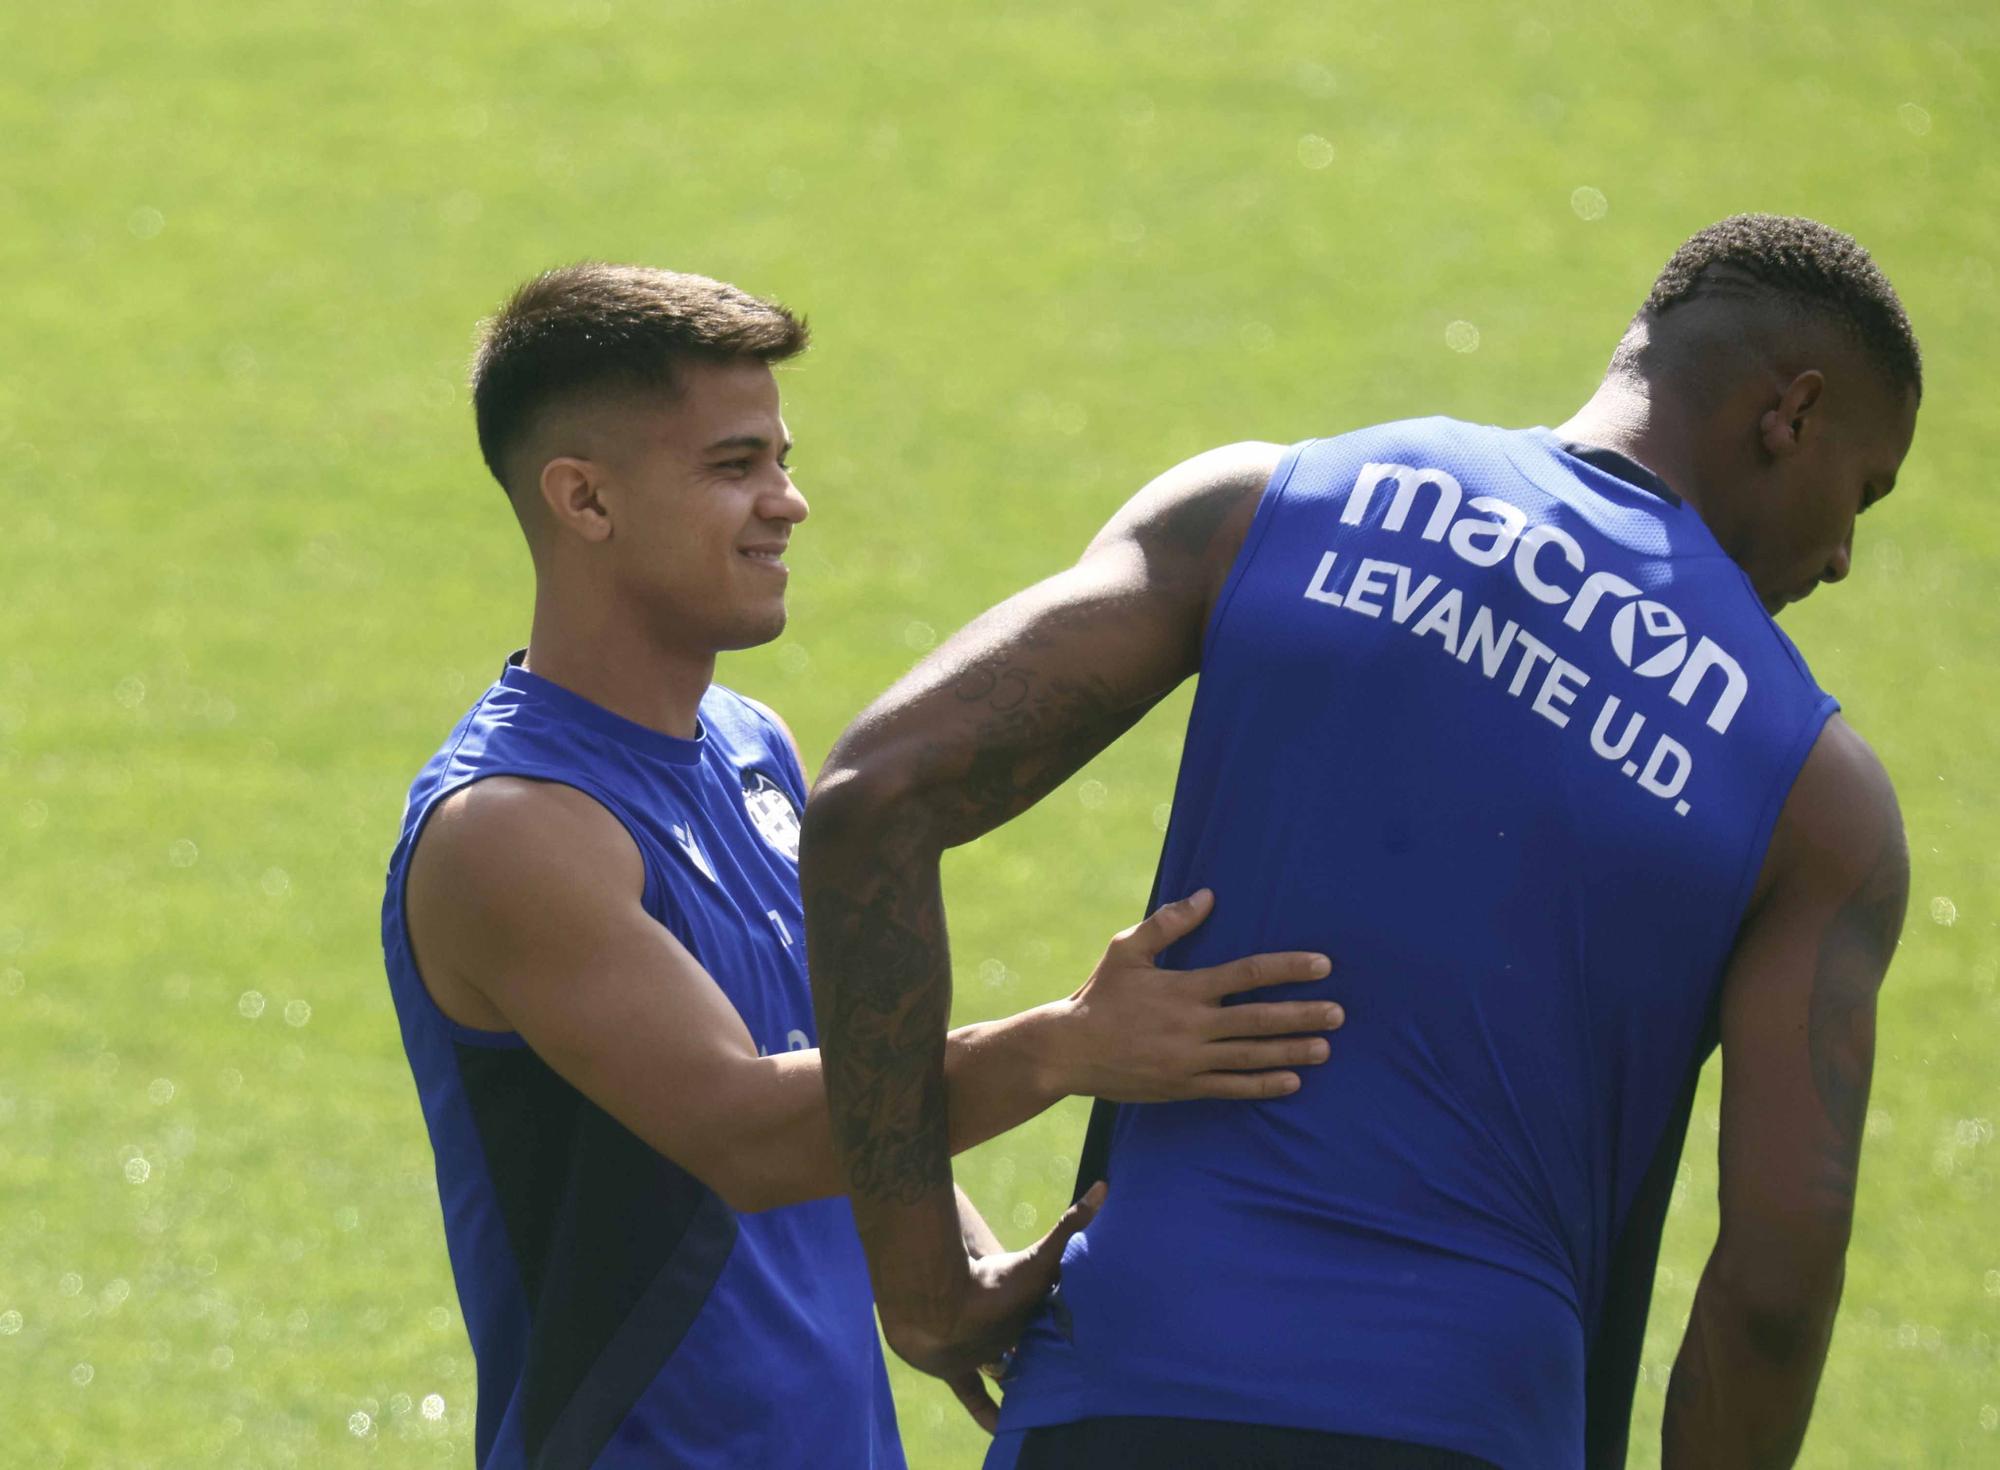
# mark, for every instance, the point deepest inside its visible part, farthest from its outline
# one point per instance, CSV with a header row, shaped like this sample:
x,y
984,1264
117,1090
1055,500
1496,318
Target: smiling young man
x,y
593,935
1502,718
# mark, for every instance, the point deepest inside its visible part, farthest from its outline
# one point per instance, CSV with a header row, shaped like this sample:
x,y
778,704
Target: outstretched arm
x,y
525,912
1798,1047
999,716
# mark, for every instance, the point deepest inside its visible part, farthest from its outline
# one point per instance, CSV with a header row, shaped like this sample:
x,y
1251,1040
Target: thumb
x,y
1047,1252
1169,922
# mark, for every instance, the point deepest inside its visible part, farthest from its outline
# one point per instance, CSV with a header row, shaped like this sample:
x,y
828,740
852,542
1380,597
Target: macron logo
x,y
1648,637
693,849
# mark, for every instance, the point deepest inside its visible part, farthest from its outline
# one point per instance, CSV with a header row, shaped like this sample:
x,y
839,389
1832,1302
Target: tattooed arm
x,y
1798,1046
999,716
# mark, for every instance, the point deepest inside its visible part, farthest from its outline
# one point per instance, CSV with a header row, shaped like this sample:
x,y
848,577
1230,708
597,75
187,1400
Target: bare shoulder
x,y
507,822
1841,829
1200,509
507,850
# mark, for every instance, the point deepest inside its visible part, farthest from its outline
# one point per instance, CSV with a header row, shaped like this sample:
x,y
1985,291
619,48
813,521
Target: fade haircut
x,y
594,328
1808,267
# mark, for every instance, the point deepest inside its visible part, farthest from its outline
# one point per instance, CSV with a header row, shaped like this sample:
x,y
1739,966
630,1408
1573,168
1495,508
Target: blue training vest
x,y
1506,735
621,1315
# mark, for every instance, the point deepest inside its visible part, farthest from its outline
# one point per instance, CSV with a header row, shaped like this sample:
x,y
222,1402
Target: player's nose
x,y
787,504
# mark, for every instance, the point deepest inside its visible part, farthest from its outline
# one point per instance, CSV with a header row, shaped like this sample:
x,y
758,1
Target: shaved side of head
x,y
1759,290
575,347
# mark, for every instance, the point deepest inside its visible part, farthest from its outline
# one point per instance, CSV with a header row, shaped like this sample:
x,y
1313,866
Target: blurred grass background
x,y
252,568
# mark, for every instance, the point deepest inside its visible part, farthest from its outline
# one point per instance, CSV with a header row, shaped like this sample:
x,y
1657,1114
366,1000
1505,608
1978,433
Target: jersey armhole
x,y
1260,525
650,895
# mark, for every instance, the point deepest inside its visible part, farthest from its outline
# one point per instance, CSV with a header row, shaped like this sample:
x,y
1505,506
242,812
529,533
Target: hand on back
x,y
1133,1033
997,1297
1138,1033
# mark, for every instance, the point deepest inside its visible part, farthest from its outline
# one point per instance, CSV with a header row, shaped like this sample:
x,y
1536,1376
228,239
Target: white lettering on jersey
x,y
1529,546
1645,635
778,922
1408,482
1486,533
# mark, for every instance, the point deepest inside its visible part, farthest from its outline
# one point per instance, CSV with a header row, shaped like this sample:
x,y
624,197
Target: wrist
x,y
974,1231
919,1317
1055,1062
916,1260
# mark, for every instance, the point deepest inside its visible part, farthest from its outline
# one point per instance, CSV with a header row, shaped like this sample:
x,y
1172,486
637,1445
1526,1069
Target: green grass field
x,y
251,568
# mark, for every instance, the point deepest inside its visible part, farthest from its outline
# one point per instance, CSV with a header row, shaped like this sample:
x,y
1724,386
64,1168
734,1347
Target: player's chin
x,y
755,626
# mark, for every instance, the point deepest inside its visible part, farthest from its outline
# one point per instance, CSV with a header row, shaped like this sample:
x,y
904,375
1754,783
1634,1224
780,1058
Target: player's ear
x,y
1784,423
571,488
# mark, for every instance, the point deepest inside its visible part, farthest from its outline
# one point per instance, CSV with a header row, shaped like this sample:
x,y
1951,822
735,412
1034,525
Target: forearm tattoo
x,y
875,922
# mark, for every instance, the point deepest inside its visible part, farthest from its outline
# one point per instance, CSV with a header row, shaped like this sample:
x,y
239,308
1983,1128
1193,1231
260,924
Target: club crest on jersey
x,y
771,810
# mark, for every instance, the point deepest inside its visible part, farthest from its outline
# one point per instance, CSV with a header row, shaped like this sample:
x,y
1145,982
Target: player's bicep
x,y
1799,1000
532,894
1019,699
635,1023
1013,705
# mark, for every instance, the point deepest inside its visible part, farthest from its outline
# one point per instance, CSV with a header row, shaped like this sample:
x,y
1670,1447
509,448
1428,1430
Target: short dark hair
x,y
1812,267
593,327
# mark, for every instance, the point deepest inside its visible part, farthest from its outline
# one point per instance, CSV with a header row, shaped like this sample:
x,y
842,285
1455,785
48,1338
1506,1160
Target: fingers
x,y
1261,1056
1276,1018
970,1389
1259,970
1168,922
1243,1086
1047,1252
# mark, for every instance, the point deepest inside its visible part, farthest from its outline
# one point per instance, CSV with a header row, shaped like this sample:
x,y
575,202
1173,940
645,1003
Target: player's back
x,y
1506,735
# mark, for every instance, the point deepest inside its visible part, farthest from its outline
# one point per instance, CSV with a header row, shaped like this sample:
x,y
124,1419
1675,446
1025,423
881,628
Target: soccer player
x,y
1500,719
593,937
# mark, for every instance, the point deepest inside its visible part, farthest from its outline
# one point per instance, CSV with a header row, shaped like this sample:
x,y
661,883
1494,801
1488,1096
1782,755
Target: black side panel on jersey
x,y
618,1249
1612,1375
1094,1163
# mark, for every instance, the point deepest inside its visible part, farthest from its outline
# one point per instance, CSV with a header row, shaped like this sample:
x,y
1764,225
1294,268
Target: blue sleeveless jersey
x,y
1506,735
621,1315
